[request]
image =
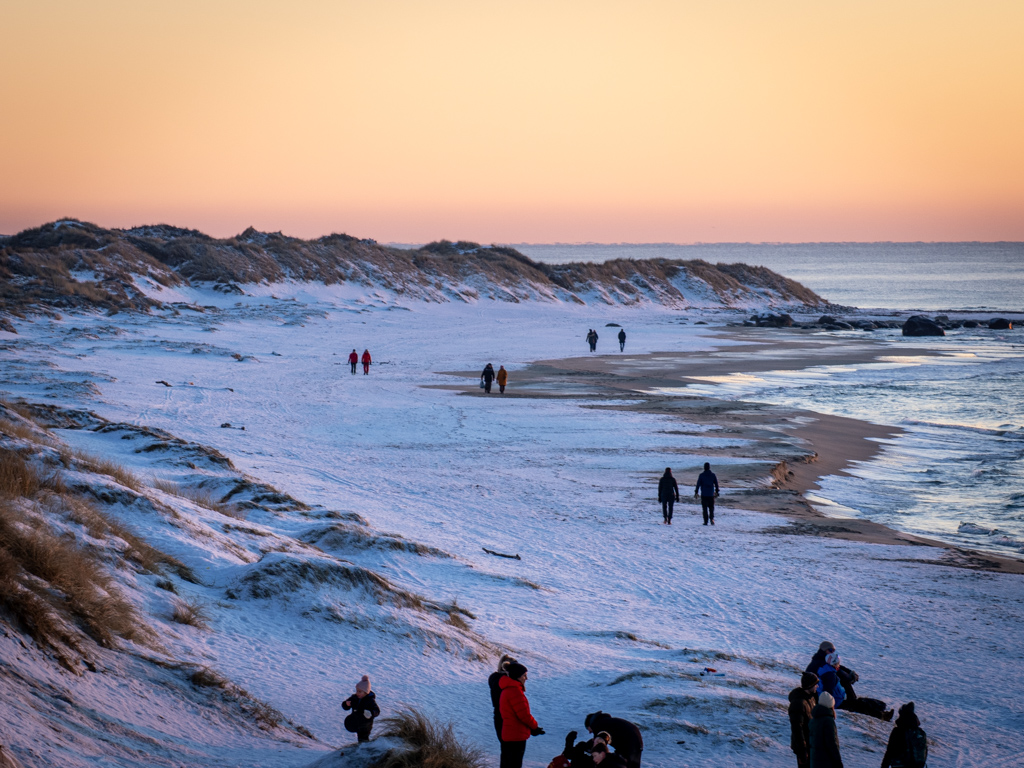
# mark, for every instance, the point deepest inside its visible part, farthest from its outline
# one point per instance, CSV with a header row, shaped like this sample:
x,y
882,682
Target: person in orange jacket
x,y
502,379
366,361
517,724
353,358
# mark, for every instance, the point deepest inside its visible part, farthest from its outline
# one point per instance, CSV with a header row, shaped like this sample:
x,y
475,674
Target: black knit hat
x,y
807,679
516,670
589,720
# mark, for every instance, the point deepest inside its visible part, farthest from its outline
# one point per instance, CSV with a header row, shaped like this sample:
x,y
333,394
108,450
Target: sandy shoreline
x,y
795,448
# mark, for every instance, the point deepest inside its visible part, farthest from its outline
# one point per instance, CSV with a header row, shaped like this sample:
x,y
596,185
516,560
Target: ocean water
x,y
904,276
957,470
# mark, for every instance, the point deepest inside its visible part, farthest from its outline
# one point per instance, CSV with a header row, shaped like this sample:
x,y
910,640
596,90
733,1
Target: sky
x,y
590,121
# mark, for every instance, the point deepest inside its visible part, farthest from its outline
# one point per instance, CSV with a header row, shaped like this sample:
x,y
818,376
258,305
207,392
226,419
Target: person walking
x,y
502,379
625,736
668,494
487,377
363,704
707,489
366,362
517,723
908,743
492,683
823,738
622,339
802,701
593,340
353,358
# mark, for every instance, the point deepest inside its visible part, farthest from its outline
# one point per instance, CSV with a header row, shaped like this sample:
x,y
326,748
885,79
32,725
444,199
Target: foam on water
x,y
957,470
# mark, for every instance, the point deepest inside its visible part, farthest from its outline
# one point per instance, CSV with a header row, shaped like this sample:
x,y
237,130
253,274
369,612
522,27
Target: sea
x,y
956,471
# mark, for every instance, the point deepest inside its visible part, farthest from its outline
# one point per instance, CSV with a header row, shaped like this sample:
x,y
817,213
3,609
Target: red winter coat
x,y
366,357
516,720
353,358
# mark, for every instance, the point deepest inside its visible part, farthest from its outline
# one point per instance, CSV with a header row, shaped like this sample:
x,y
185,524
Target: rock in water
x,y
919,325
1000,324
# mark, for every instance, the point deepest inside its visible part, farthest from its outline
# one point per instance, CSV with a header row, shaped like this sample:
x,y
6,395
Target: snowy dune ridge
x,y
115,579
68,263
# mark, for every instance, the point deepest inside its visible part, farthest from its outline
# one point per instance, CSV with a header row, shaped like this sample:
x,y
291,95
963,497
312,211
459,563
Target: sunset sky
x,y
719,120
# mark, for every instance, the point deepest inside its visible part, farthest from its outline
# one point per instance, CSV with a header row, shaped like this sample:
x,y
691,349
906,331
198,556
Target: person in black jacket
x,y
668,494
824,738
493,683
908,743
364,709
801,701
622,340
707,489
847,677
625,736
487,377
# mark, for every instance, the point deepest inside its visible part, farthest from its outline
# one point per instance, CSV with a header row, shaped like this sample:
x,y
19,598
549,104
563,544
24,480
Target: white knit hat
x,y
825,699
832,659
363,686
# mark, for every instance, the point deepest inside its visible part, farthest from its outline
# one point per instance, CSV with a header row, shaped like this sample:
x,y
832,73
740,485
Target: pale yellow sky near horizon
x,y
518,122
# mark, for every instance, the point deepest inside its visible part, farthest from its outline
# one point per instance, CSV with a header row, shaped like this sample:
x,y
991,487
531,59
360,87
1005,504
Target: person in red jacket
x,y
517,724
366,361
353,359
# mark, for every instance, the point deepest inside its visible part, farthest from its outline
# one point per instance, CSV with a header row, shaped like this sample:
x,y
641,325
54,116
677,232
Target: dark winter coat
x,y
622,335
896,752
488,374
668,490
358,721
626,738
492,683
846,675
614,760
516,720
824,739
707,483
800,705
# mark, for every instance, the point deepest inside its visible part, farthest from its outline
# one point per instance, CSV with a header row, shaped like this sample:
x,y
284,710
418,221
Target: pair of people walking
x,y
353,360
489,376
706,487
592,339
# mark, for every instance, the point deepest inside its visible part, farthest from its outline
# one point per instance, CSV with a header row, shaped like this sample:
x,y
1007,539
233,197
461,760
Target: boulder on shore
x,y
1000,324
971,323
919,325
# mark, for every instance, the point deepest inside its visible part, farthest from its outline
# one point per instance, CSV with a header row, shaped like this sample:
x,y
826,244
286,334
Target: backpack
x,y
917,748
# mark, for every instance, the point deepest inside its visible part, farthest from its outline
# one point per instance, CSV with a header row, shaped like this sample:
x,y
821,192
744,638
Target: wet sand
x,y
790,450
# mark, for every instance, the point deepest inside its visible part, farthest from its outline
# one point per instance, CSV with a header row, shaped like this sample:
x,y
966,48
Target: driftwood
x,y
501,554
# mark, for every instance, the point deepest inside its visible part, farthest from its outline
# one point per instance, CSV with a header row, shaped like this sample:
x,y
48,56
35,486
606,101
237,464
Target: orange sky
x,y
712,120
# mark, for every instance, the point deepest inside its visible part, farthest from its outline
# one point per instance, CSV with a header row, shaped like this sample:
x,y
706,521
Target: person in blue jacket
x,y
707,489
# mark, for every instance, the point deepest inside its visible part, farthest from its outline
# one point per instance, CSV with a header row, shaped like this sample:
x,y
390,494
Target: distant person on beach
x,y
625,736
487,377
824,738
707,489
838,680
592,339
668,494
502,379
517,724
802,701
622,339
353,358
908,743
366,362
364,709
492,683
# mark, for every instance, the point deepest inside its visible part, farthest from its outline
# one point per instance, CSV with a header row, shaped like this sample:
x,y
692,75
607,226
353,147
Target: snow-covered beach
x,y
607,607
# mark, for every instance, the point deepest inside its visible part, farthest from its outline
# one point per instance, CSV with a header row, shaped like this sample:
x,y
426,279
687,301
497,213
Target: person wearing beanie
x,y
707,489
908,743
492,683
801,701
628,741
845,677
517,723
823,738
364,709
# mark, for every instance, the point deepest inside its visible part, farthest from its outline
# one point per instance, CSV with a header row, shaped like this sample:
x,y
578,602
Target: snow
x,y
608,608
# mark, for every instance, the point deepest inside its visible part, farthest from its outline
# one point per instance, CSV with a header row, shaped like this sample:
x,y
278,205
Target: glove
x,y
570,739
367,714
537,732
